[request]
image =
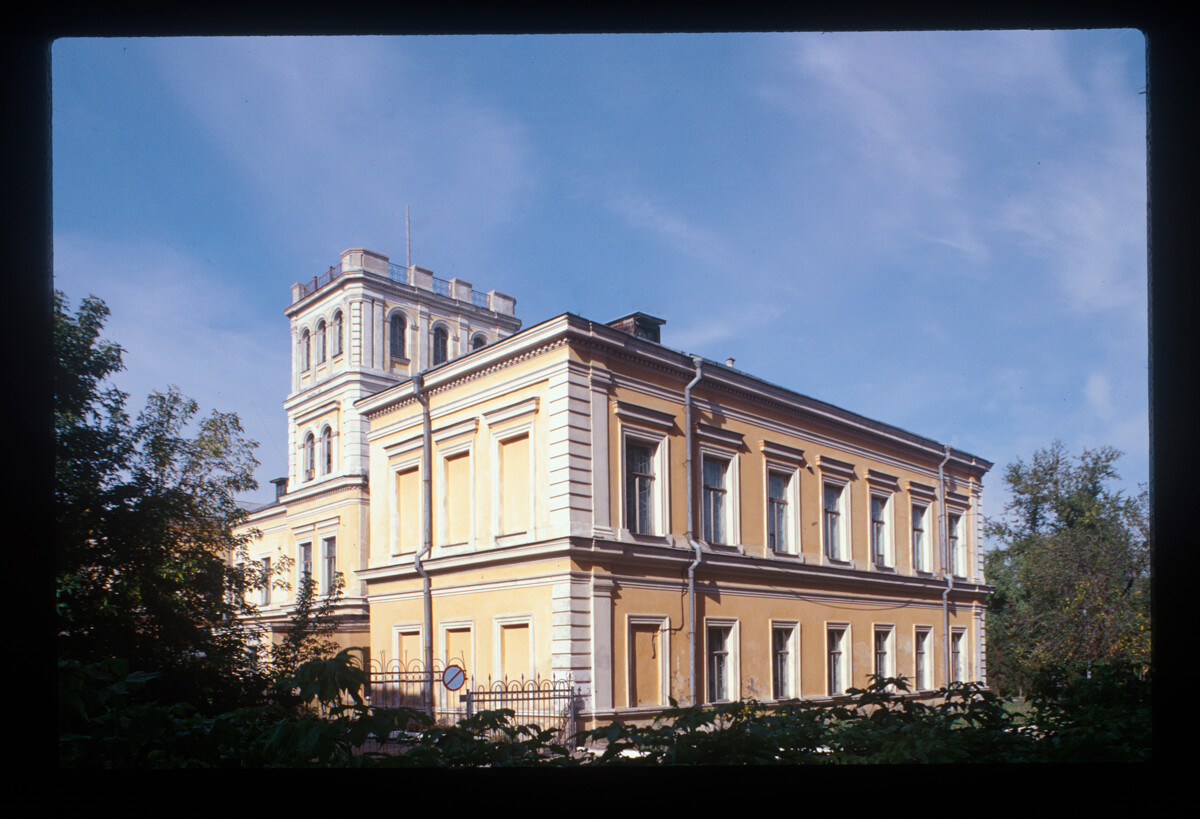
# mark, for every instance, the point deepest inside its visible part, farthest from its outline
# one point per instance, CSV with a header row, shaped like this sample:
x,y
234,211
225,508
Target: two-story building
x,y
578,499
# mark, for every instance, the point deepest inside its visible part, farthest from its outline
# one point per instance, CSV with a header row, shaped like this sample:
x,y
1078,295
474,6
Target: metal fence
x,y
550,704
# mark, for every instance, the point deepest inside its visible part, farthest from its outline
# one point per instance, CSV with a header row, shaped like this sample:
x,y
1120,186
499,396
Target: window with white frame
x,y
956,545
408,647
310,446
885,660
783,661
837,660
881,530
326,450
643,467
722,661
305,563
458,644
922,659
321,341
305,350
920,538
264,593
834,521
478,341
337,333
716,500
778,518
329,564
958,642
648,660
513,647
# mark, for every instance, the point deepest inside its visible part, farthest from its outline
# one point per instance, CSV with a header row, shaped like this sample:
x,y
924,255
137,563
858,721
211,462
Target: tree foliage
x,y
144,514
1072,576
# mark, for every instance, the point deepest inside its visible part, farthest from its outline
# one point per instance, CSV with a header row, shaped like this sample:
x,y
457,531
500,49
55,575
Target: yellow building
x,y
576,499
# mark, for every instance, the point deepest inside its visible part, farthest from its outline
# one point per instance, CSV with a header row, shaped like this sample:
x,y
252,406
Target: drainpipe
x,y
688,534
945,564
426,527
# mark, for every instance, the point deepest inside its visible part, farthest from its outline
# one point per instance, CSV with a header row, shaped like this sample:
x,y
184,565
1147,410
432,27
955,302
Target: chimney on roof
x,y
640,325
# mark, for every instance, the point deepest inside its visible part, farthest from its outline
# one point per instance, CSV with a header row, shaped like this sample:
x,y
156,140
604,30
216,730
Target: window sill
x,y
645,540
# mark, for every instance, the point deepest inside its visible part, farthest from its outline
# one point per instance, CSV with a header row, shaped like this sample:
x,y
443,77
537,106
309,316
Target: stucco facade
x,y
652,524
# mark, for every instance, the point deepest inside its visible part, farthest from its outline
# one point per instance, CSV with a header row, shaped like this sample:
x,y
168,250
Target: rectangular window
x,y
920,550
457,507
720,663
921,670
880,531
954,546
883,653
783,684
714,500
329,557
646,663
408,511
836,664
639,487
514,652
264,598
514,483
957,642
834,534
777,512
305,560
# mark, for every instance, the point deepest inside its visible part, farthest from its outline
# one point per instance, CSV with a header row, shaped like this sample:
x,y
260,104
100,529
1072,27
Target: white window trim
x,y
843,557
927,683
498,623
446,626
961,559
889,530
922,555
446,451
402,460
845,666
511,431
791,473
659,497
732,516
733,666
959,634
326,582
407,628
664,641
890,665
793,655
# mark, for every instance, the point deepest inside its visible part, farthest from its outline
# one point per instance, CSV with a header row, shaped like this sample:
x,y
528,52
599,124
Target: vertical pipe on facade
x,y
426,526
945,562
688,534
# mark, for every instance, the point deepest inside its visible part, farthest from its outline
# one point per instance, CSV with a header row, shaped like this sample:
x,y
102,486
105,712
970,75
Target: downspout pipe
x,y
689,533
945,562
426,526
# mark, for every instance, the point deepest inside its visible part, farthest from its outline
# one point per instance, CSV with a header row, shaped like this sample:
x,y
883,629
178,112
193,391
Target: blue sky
x,y
945,231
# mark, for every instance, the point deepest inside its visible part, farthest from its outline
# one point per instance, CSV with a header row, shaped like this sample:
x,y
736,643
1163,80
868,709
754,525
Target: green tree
x,y
1072,577
146,562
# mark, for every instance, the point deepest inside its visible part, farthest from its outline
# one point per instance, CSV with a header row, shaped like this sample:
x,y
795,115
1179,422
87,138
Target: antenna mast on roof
x,y
407,240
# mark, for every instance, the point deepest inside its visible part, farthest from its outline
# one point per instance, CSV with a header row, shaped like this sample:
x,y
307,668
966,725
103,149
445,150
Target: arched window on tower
x,y
441,345
397,330
321,341
309,446
305,347
478,341
337,333
326,451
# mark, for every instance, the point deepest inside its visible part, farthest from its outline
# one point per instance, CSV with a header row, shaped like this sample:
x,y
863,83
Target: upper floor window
x,y
639,487
305,350
478,341
329,558
920,543
305,566
715,506
326,451
777,512
321,341
265,591
441,346
309,456
955,545
397,327
880,530
337,333
834,534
